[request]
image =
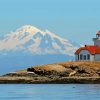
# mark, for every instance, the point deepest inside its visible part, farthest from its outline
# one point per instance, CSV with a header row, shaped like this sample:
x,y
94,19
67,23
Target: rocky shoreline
x,y
59,73
63,80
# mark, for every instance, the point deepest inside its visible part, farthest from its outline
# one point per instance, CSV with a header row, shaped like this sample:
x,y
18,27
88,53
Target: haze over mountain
x,y
29,45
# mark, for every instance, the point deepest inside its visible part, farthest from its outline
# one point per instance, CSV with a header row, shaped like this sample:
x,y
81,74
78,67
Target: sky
x,y
75,20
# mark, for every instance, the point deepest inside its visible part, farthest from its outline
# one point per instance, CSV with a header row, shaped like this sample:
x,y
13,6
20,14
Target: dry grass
x,y
95,65
61,67
53,67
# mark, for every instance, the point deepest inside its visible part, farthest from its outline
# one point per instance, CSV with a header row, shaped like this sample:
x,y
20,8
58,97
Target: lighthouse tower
x,y
97,39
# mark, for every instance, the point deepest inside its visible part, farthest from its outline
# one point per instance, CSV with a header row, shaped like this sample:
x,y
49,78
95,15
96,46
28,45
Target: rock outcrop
x,y
79,69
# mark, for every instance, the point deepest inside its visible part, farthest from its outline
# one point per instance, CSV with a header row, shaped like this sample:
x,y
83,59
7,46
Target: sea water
x,y
49,92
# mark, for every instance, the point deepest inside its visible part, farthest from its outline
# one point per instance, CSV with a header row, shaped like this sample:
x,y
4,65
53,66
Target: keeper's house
x,y
89,52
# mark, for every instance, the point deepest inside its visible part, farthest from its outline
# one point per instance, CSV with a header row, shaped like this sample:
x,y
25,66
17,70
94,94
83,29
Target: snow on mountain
x,y
32,40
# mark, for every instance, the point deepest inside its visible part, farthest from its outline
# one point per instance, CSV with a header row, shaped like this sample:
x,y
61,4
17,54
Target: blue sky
x,y
76,20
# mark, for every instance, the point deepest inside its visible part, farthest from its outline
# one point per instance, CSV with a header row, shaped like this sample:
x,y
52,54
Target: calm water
x,y
50,92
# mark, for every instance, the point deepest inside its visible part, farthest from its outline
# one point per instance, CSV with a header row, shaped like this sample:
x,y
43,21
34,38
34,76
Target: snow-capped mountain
x,y
29,39
28,46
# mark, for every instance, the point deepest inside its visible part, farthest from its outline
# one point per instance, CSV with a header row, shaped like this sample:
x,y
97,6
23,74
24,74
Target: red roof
x,y
98,33
92,49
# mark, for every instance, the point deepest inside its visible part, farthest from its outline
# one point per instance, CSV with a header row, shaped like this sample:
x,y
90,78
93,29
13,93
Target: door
x,y
84,57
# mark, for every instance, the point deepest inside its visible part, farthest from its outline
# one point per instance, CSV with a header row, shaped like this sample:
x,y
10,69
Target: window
x,y
84,57
88,56
78,57
81,56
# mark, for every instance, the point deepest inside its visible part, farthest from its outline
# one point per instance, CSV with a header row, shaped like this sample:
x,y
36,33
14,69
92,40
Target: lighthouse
x,y
97,39
89,52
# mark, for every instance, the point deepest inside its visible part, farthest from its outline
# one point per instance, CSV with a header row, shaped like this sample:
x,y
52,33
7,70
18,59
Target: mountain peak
x,y
28,28
33,30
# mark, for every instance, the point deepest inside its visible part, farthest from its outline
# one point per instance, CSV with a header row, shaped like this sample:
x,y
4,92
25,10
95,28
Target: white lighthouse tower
x,y
97,39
